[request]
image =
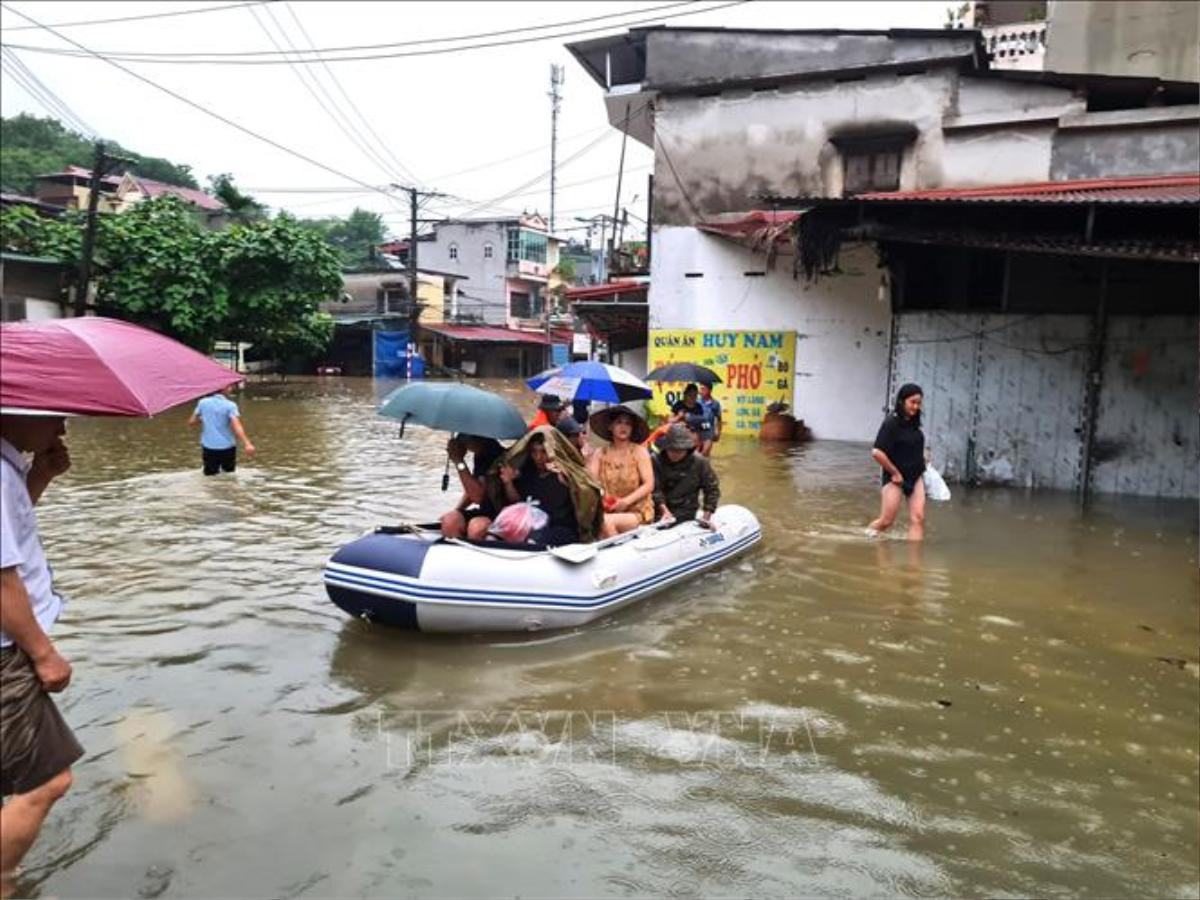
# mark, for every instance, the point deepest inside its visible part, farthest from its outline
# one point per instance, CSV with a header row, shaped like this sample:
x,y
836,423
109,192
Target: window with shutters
x,y
872,163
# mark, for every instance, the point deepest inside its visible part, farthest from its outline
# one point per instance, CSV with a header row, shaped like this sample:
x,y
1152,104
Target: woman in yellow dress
x,y
624,469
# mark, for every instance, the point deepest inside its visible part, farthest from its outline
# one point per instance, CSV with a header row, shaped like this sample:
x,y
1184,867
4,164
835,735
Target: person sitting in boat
x,y
475,511
623,469
575,434
681,476
545,467
550,409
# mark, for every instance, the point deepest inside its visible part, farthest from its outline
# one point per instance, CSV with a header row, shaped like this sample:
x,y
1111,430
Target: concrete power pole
x,y
556,81
99,162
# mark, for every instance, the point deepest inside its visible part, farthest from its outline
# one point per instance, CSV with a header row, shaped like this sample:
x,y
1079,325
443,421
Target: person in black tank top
x,y
900,452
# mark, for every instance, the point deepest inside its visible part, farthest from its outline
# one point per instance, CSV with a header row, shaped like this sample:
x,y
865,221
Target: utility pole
x,y
414,196
99,162
620,176
556,80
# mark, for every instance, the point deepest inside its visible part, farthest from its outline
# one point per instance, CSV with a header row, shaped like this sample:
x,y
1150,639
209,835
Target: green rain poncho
x,y
586,494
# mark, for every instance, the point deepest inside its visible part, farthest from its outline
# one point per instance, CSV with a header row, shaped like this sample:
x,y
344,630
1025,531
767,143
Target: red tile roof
x,y
1140,189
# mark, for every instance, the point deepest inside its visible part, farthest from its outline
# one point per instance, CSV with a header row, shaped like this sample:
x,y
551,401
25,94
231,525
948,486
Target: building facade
x,y
752,128
509,264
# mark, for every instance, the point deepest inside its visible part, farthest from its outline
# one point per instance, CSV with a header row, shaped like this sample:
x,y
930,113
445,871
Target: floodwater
x,y
1010,710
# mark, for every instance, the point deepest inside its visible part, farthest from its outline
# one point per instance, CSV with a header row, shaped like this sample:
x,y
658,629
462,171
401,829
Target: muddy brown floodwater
x,y
1010,710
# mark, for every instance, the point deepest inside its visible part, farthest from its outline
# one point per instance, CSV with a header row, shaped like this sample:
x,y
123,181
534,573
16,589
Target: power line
x,y
34,86
197,106
535,150
220,54
162,15
323,99
400,167
674,174
245,59
492,204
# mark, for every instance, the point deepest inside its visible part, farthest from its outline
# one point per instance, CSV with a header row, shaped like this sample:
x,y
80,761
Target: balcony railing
x,y
1021,45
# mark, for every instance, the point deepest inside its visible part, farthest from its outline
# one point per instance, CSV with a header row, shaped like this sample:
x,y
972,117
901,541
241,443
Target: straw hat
x,y
601,423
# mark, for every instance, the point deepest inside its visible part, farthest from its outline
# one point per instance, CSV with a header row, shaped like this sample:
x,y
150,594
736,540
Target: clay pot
x,y
777,426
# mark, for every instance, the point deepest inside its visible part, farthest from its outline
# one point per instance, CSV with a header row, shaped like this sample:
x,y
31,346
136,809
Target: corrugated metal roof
x,y
1147,189
487,333
1158,189
613,288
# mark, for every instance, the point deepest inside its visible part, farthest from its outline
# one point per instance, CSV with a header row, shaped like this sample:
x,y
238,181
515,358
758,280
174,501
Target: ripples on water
x,y
1011,709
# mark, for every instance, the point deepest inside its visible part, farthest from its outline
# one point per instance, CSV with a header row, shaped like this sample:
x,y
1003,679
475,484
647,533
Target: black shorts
x,y
906,487
35,743
214,460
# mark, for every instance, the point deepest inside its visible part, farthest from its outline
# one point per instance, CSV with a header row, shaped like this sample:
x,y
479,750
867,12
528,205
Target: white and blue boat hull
x,y
420,581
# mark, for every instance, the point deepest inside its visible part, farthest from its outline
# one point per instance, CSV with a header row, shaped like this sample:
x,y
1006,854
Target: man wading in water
x,y
37,749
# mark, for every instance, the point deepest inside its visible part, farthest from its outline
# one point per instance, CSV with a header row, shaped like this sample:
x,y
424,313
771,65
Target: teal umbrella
x,y
450,406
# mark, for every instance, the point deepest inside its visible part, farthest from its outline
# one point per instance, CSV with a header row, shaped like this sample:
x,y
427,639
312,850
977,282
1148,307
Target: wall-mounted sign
x,y
756,369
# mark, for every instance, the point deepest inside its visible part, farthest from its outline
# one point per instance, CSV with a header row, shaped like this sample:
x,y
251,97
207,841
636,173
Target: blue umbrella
x,y
450,406
591,381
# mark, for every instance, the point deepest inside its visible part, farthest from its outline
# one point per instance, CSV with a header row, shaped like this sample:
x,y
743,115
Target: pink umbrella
x,y
100,367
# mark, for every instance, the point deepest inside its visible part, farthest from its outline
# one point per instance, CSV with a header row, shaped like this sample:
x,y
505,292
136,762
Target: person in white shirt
x,y
37,748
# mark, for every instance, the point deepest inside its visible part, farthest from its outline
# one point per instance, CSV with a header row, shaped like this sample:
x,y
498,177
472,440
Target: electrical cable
x,y
161,15
675,174
208,112
218,54
405,172
320,95
44,96
245,59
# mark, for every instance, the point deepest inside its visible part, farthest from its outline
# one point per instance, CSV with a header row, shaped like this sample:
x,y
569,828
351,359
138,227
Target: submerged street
x,y
1009,709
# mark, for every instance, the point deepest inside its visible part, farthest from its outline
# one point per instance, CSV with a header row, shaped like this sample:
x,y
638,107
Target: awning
x,y
757,229
1141,189
625,291
490,334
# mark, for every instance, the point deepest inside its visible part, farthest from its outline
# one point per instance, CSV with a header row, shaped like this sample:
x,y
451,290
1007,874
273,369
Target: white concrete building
x,y
744,120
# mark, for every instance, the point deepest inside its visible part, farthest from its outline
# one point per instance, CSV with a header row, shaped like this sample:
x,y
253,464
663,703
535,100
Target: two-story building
x,y
804,241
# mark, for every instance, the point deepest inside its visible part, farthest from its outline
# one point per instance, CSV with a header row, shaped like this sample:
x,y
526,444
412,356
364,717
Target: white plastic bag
x,y
935,485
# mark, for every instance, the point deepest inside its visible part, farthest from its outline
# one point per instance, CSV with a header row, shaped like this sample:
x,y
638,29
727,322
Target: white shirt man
x,y
37,748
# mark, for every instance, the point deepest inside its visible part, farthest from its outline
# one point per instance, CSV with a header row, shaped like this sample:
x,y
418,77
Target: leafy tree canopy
x,y
261,281
241,207
355,237
32,146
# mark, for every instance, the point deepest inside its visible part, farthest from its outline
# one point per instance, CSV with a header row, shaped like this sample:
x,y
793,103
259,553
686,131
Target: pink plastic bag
x,y
516,522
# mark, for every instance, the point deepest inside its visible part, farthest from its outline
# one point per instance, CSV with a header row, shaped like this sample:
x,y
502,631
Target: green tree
x,y
355,237
261,282
278,275
241,207
157,266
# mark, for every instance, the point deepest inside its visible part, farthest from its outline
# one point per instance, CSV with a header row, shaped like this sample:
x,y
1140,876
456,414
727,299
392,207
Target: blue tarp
x,y
391,354
560,354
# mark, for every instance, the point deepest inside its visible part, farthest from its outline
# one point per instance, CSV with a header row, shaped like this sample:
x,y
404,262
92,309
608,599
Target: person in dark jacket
x,y
900,452
681,475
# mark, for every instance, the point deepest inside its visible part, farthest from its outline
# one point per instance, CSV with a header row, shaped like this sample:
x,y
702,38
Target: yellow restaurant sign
x,y
756,369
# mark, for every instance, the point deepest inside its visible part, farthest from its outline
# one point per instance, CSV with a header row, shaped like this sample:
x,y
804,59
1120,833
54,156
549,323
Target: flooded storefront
x,y
1009,709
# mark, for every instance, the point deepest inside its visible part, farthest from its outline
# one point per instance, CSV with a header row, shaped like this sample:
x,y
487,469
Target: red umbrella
x,y
100,367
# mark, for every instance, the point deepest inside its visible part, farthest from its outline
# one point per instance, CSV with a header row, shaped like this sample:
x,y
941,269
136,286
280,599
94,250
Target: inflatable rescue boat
x,y
412,577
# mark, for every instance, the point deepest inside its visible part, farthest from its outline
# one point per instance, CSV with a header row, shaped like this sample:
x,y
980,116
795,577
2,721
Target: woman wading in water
x,y
900,451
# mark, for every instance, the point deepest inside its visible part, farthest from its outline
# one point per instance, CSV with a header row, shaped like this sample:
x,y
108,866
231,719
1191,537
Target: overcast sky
x,y
438,114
